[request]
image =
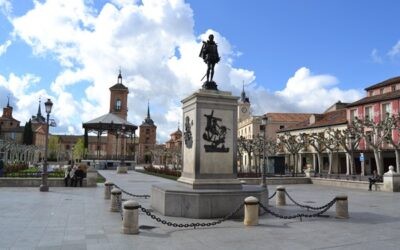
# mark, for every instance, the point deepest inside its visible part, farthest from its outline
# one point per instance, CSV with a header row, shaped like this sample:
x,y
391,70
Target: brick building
x,y
147,139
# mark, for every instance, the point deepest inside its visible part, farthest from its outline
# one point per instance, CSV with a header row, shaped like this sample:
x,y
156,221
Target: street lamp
x,y
262,134
123,145
44,186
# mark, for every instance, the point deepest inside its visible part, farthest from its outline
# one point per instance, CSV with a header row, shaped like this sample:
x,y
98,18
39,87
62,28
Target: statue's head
x,y
211,37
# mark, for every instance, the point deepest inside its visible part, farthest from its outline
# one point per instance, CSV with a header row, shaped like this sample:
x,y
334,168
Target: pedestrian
x,y
67,177
79,175
72,176
372,180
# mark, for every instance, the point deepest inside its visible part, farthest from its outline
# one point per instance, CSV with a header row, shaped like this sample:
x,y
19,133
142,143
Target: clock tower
x,y
243,106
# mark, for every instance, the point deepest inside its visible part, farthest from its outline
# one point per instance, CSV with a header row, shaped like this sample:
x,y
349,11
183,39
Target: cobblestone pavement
x,y
79,218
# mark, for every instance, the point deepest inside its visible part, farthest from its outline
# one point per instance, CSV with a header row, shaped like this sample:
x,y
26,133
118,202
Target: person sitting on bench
x,y
372,180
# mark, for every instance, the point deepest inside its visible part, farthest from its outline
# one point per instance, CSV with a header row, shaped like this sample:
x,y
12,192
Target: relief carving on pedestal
x,y
215,133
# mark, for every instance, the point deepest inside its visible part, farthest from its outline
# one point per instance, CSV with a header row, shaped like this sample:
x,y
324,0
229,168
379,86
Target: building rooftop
x,y
287,117
321,120
376,98
387,82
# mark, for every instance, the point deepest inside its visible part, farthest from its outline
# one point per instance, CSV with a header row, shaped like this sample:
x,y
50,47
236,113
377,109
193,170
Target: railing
x,y
343,177
110,157
33,175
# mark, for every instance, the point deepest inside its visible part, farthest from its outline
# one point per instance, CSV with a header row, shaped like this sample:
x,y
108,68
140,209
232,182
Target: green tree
x,y
79,149
28,133
54,147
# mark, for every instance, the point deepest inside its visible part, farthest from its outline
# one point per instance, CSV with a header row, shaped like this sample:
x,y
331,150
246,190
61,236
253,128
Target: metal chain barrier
x,y
133,195
299,215
187,225
272,196
306,206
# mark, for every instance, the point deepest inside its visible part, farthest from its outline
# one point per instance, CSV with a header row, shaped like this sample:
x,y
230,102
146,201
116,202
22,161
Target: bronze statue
x,y
209,53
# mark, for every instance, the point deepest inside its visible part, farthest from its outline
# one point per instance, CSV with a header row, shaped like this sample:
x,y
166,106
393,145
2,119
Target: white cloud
x,y
4,47
395,50
24,101
5,6
154,43
307,92
376,58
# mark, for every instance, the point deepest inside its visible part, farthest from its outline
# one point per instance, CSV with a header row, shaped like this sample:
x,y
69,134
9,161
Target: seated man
x,y
79,175
372,180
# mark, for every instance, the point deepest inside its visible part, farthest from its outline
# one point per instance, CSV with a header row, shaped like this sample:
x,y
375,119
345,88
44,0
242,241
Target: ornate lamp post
x,y
44,186
262,134
123,145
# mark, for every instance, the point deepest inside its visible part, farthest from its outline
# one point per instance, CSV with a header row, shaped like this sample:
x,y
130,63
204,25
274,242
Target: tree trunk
x,y
319,156
378,161
350,163
330,157
397,152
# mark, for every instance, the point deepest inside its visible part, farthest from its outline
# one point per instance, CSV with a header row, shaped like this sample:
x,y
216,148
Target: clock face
x,y
244,109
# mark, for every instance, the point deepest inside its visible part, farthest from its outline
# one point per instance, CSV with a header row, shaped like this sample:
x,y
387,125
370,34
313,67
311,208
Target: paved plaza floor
x,y
79,218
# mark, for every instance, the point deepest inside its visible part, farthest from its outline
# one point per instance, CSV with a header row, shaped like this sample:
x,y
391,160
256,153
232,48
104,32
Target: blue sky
x,y
297,56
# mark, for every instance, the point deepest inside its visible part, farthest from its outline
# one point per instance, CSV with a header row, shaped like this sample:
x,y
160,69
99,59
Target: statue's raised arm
x,y
209,53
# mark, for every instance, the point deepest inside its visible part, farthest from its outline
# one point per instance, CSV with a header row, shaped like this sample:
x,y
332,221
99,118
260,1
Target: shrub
x,y
162,170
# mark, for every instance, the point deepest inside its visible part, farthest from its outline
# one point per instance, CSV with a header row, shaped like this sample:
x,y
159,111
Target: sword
x,y
203,77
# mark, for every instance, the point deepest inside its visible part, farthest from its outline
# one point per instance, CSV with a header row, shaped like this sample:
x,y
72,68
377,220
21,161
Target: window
x,y
353,114
369,136
394,88
381,90
368,113
281,126
118,105
370,93
386,110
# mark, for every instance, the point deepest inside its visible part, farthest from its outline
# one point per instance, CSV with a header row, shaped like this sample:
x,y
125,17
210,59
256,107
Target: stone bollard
x,y
342,207
130,222
251,211
280,196
107,189
91,177
391,180
115,196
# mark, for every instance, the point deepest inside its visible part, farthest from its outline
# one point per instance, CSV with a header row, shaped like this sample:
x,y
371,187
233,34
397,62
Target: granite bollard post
x,y
280,196
91,176
251,207
115,196
342,207
391,180
107,189
130,222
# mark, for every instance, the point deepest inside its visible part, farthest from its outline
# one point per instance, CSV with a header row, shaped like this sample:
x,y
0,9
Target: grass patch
x,y
100,179
170,177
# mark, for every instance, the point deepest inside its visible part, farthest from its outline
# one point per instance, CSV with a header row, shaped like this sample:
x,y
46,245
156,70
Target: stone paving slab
x,y
79,218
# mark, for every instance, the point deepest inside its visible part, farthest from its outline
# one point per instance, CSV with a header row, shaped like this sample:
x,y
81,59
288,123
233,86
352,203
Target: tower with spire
x,y
7,120
119,98
147,138
243,106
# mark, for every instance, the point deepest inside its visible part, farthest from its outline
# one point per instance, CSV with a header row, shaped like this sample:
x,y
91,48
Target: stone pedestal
x,y
122,169
208,187
210,132
391,180
91,176
180,200
309,172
